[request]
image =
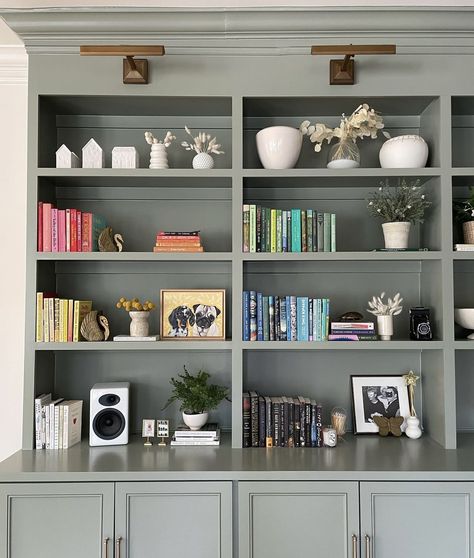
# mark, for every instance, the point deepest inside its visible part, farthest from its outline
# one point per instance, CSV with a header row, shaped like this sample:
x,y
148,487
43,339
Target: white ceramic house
x,y
66,159
93,156
125,158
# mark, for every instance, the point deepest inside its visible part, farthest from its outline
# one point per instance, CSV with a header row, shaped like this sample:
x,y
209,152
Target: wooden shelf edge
x,y
137,346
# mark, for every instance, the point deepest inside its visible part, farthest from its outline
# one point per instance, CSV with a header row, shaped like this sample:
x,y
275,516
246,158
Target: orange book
x,y
178,249
178,243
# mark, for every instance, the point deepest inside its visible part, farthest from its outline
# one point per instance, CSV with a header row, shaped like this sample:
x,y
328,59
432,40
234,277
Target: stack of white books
x,y
464,247
208,435
58,423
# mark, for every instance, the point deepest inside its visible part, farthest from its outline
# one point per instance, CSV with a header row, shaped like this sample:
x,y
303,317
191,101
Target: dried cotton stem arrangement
x,y
166,141
378,308
202,143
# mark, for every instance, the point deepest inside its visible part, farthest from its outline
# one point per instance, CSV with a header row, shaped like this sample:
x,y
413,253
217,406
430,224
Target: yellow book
x,y
61,321
39,318
46,320
273,230
65,320
56,320
51,319
81,308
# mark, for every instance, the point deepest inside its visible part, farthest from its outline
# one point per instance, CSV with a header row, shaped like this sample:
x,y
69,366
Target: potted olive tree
x,y
399,207
464,213
196,397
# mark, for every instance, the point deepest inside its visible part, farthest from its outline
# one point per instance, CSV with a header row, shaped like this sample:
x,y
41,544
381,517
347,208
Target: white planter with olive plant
x,y
196,397
385,313
399,207
204,146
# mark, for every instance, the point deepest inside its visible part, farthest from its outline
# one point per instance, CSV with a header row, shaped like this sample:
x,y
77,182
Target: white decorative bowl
x,y
465,318
279,147
409,152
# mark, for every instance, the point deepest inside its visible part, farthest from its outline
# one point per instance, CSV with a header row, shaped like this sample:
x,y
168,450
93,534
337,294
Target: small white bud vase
x,y
396,234
158,156
139,325
385,327
409,152
413,429
203,161
195,422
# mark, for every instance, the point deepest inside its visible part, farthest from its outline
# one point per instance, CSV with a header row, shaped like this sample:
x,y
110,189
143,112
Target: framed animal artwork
x,y
194,314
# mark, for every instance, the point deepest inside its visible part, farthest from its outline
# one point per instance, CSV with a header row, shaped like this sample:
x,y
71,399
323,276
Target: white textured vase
x,y
413,429
203,161
158,156
407,152
279,147
396,234
195,422
385,327
139,325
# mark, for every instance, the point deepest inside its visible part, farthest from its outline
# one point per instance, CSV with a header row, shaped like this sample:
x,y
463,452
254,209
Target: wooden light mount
x,y
342,72
135,70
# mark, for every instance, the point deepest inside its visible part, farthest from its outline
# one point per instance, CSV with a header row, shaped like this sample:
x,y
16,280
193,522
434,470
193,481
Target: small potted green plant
x,y
197,397
464,214
399,207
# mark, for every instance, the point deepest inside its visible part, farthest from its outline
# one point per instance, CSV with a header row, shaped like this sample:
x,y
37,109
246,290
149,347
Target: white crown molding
x,y
13,65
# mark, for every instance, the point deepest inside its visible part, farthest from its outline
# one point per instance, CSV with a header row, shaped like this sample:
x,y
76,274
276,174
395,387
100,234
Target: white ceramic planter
x,y
195,422
413,429
408,152
158,156
279,147
465,318
385,327
203,161
139,326
396,234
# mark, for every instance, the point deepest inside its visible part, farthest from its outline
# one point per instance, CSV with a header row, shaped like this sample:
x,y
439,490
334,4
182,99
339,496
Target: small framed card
x,y
163,428
148,428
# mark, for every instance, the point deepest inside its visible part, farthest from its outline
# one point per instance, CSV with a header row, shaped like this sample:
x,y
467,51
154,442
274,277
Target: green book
x,y
333,232
327,232
295,230
274,230
253,228
320,232
263,230
268,230
279,231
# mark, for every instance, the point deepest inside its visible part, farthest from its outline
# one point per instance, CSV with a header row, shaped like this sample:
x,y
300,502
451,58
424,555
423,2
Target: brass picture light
x,y
135,70
342,72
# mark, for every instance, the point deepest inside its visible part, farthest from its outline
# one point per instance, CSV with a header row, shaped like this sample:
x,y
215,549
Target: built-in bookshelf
x,y
139,202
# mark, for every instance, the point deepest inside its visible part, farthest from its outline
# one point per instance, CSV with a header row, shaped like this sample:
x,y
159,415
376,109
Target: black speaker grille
x,y
108,424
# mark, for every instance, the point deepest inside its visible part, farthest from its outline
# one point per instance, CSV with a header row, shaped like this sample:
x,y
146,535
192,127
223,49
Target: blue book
x,y
310,320
296,230
318,320
302,318
266,320
283,322
323,320
288,317
326,325
271,317
284,231
293,319
246,316
253,315
315,319
259,317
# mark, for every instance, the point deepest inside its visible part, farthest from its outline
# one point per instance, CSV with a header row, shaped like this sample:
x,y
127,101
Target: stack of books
x,y
58,423
353,331
285,422
284,318
178,241
58,320
287,230
67,230
464,247
208,435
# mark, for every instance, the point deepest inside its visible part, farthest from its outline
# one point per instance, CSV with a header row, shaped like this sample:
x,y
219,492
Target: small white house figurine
x,y
66,159
93,156
158,153
125,158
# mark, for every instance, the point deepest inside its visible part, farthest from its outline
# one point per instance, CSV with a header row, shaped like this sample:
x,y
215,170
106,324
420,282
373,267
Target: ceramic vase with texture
x,y
203,161
385,327
396,234
344,155
408,152
413,429
197,421
158,156
139,325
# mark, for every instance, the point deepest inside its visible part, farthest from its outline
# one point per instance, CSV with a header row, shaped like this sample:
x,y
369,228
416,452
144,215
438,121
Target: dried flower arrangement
x,y
202,143
166,141
464,211
404,202
135,304
377,306
363,122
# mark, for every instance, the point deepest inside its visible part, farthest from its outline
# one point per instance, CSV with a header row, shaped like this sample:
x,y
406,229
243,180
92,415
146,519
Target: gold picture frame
x,y
192,314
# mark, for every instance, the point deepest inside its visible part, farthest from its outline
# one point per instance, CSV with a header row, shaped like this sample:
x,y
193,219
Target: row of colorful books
x,y
58,320
353,331
67,230
178,241
267,229
284,318
286,422
58,423
207,435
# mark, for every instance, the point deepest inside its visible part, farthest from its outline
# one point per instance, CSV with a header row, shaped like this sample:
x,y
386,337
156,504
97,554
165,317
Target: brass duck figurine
x,y
110,242
95,327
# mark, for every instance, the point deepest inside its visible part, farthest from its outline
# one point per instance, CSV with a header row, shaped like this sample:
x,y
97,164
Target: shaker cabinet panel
x,y
281,519
417,520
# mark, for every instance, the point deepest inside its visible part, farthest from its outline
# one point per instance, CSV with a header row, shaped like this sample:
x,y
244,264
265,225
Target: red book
x,y
86,230
47,227
40,227
178,249
73,230
79,231
193,238
54,229
68,230
61,230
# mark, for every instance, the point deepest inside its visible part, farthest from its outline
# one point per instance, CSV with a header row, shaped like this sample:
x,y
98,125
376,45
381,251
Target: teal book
x,y
302,308
309,229
320,232
266,320
318,320
98,225
295,230
253,228
327,232
333,232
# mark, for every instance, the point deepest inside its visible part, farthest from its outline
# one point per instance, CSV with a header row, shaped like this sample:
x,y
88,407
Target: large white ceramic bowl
x,y
409,152
279,147
465,318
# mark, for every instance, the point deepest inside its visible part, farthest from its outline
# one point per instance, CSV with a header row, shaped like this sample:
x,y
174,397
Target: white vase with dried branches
x,y
158,153
204,146
385,313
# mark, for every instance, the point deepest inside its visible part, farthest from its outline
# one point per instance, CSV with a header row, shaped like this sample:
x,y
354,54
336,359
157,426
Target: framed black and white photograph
x,y
385,396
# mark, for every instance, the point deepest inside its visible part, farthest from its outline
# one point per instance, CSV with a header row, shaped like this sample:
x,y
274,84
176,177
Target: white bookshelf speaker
x,y
109,414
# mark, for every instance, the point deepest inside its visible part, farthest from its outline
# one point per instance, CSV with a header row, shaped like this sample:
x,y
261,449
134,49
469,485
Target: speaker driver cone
x,y
109,424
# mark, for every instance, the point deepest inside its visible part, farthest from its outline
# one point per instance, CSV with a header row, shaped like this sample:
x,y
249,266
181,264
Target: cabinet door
x,y
55,520
281,519
174,519
417,519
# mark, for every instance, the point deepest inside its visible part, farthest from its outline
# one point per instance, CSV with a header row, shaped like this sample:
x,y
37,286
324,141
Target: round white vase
x,y
279,147
139,326
158,156
385,327
203,161
413,429
408,152
396,234
195,422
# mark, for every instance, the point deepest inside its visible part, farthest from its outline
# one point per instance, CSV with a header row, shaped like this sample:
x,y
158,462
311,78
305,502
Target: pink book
x,y
47,227
68,230
40,227
73,230
61,230
54,229
79,231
